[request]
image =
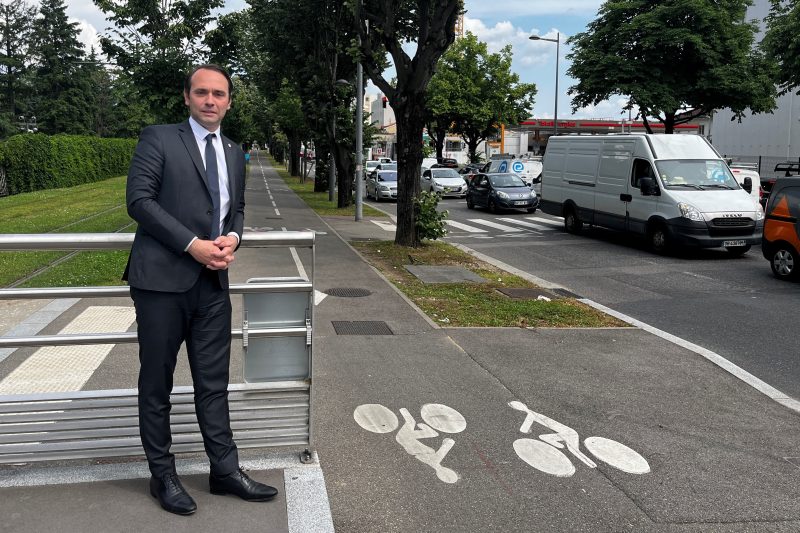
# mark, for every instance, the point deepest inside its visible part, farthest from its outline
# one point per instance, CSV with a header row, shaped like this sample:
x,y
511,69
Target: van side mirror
x,y
537,179
648,187
748,185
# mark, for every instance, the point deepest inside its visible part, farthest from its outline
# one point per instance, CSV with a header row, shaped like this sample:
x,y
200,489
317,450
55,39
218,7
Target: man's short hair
x,y
187,82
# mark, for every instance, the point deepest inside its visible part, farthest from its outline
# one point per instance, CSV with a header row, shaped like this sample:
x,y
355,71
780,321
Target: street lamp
x,y
557,40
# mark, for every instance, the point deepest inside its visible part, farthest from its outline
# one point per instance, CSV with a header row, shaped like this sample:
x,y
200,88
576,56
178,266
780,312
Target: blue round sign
x,y
517,166
503,167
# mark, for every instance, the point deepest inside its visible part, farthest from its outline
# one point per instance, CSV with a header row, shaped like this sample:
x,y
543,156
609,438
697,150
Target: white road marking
x,y
299,264
385,225
546,221
495,225
526,224
319,296
68,368
714,357
464,227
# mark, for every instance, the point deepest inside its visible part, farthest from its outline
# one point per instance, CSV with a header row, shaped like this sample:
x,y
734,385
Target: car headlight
x,y
384,188
759,212
503,195
690,212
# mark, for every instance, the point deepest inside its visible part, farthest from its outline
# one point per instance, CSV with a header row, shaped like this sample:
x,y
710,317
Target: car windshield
x,y
387,176
699,174
372,164
388,166
445,173
501,181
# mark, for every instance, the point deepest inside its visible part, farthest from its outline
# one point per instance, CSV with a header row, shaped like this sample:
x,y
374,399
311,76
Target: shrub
x,y
430,222
34,161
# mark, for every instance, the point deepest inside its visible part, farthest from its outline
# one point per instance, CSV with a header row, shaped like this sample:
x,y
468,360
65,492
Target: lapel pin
x,y
229,145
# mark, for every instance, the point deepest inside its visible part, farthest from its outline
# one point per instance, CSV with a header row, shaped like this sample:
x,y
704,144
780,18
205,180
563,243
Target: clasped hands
x,y
216,254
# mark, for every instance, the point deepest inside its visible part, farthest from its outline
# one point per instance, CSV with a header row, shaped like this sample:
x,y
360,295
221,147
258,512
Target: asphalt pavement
x,y
420,427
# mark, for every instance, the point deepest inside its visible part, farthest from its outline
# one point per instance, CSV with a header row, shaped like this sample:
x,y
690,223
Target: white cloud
x,y
525,8
88,36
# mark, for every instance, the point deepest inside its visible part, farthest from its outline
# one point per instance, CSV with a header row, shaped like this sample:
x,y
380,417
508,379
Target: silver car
x,y
444,181
382,185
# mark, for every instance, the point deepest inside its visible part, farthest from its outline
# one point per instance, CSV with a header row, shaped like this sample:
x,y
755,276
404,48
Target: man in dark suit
x,y
186,191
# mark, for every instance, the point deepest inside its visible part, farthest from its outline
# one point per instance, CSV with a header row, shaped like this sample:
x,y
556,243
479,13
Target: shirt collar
x,y
200,132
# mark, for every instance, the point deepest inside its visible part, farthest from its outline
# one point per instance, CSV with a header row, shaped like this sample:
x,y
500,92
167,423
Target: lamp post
x,y
557,40
359,140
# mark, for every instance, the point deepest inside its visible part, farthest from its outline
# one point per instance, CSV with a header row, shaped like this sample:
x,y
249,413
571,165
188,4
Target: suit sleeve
x,y
144,184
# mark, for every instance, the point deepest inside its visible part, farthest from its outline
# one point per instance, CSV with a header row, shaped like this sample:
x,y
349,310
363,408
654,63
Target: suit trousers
x,y
201,317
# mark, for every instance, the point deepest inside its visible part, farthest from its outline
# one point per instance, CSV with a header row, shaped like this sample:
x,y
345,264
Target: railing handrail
x,y
121,241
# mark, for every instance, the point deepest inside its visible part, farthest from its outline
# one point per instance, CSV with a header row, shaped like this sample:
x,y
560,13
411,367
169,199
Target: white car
x,y
444,181
383,185
369,166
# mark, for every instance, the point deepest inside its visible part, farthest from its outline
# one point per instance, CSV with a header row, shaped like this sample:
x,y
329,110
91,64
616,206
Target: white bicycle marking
x,y
375,418
609,451
379,419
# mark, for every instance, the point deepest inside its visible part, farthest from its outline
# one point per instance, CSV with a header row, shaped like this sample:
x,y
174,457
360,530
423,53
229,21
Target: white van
x,y
675,189
528,170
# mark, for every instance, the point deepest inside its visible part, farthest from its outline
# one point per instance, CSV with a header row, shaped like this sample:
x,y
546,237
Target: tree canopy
x,y
782,42
672,56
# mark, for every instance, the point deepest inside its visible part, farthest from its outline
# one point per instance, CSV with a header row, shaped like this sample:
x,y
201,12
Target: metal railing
x,y
84,424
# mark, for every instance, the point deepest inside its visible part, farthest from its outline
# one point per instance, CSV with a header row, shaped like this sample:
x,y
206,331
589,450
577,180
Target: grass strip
x,y
474,304
318,201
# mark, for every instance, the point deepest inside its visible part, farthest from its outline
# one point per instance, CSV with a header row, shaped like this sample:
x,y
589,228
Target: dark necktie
x,y
213,183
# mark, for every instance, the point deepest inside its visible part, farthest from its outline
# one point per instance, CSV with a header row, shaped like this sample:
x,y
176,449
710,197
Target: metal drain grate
x,y
348,292
364,327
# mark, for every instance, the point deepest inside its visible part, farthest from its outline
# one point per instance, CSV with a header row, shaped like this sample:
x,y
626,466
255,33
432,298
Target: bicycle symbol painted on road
x,y
377,418
544,454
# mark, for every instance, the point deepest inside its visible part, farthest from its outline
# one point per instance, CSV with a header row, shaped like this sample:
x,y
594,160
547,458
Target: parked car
x,y
781,242
789,168
470,170
383,185
501,191
369,166
382,166
447,162
444,181
428,162
742,171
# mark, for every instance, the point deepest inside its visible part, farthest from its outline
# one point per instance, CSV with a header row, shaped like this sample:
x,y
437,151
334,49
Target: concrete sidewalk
x,y
414,429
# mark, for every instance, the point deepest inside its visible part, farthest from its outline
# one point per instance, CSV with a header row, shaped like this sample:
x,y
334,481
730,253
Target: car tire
x,y
470,204
572,223
658,238
531,210
784,261
492,207
738,251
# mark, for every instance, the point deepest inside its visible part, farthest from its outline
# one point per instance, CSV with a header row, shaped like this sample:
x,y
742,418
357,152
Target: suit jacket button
x,y
209,212
206,237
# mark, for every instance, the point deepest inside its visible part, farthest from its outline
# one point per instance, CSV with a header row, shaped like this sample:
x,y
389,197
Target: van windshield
x,y
700,174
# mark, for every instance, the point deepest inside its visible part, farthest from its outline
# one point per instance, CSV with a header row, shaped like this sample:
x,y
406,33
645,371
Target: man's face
x,y
208,99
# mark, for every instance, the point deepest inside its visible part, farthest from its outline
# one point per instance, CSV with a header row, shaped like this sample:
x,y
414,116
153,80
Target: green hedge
x,y
34,161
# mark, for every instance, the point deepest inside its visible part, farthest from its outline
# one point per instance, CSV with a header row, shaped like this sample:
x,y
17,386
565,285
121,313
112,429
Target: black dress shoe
x,y
240,484
171,495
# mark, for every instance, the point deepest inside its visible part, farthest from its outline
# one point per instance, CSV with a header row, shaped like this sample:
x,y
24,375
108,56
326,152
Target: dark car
x,y
787,169
781,242
470,170
501,191
447,162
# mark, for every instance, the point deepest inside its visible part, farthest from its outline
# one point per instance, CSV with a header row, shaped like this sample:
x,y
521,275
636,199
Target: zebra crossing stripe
x,y
465,227
385,225
507,229
527,224
546,221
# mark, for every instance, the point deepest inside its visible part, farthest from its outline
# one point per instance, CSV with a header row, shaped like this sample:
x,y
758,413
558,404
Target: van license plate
x,y
726,244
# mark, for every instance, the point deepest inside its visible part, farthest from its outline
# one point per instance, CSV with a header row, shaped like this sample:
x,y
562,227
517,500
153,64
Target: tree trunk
x,y
321,169
439,139
345,168
409,113
669,122
294,154
646,123
472,147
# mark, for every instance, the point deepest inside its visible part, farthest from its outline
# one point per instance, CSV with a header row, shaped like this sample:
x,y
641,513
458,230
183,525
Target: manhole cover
x,y
348,292
363,327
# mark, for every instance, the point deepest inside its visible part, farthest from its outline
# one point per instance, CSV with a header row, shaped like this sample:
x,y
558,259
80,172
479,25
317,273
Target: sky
x,y
496,22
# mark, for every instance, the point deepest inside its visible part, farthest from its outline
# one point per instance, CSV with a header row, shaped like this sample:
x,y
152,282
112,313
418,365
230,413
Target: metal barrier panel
x,y
273,408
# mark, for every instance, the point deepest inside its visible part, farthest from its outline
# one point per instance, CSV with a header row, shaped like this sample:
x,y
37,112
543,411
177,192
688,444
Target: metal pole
x,y
555,112
359,139
332,169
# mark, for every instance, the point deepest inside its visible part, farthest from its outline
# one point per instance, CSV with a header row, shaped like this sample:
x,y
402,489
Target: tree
x,y
384,26
59,91
16,24
287,110
672,56
477,91
155,44
782,42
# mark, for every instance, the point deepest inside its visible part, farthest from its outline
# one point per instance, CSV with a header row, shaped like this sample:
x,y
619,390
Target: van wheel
x,y
571,221
659,239
784,261
736,251
470,203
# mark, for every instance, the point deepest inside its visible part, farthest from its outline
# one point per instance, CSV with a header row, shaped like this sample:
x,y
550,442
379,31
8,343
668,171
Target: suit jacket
x,y
167,195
